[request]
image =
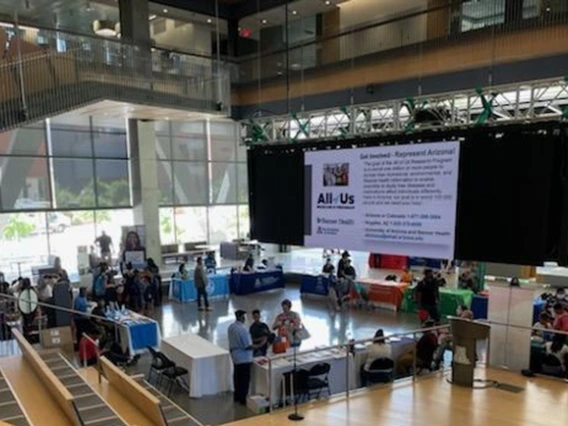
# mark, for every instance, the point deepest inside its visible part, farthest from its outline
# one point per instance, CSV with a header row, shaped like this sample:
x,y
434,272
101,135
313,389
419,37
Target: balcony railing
x,y
412,32
45,75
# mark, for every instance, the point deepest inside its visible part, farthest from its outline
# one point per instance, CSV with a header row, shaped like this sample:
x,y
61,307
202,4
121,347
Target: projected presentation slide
x,y
393,200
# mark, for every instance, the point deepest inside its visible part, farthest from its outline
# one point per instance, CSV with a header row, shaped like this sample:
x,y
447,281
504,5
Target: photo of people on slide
x,y
336,174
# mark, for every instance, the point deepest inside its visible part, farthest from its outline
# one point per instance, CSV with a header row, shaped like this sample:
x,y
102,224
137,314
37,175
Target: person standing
x,y
200,281
105,245
260,334
342,264
240,346
428,295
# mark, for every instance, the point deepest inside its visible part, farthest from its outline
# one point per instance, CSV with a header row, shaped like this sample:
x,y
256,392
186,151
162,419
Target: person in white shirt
x,y
378,349
544,323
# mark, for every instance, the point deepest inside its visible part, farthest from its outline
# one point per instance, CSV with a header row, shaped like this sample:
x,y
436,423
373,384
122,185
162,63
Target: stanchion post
x,y
270,385
414,358
347,352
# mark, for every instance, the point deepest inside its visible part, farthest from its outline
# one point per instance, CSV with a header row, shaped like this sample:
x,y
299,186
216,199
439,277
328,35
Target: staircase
x,y
10,410
173,414
92,409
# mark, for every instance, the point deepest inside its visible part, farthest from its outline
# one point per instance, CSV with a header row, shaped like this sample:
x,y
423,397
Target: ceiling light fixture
x,y
327,2
209,21
106,28
264,21
152,17
165,10
294,12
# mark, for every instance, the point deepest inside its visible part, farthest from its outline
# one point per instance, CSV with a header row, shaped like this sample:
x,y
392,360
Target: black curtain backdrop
x,y
276,195
512,192
510,197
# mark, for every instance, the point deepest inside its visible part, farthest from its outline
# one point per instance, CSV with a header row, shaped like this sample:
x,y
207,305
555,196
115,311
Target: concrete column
x,y
134,24
145,191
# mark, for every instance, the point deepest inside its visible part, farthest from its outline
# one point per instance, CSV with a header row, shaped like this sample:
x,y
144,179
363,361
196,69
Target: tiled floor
x,y
325,328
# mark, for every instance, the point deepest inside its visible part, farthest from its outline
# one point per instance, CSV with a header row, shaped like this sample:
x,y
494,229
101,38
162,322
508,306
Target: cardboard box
x,y
58,337
258,404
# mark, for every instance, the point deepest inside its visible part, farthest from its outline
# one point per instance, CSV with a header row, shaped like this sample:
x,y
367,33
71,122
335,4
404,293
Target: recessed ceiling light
x,y
152,17
294,12
264,21
327,2
209,21
167,118
165,10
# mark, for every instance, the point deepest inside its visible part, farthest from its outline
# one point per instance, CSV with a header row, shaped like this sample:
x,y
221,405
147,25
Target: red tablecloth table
x,y
384,294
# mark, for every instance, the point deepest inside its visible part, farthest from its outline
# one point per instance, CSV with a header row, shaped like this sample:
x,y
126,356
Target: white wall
x,y
192,37
359,12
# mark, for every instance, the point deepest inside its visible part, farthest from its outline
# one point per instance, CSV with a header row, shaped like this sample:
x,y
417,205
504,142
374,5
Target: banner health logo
x,y
210,286
265,281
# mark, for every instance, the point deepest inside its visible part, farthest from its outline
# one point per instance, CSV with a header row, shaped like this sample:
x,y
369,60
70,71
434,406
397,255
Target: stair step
x,y
19,421
88,401
6,396
10,410
115,421
92,414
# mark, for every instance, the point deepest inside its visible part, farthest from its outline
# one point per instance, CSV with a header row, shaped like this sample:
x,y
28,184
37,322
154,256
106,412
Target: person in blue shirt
x,y
81,321
240,345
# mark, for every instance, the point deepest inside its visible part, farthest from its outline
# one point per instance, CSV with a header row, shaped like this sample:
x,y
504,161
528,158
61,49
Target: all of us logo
x,y
328,198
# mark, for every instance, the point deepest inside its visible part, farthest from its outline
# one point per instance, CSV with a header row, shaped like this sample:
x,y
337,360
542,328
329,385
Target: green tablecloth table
x,y
450,299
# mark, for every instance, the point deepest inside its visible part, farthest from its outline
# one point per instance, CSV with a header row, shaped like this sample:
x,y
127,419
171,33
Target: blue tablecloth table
x,y
315,284
184,290
242,283
136,331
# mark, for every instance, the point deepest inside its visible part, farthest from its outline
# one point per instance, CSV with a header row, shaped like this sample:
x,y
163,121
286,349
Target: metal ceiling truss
x,y
542,100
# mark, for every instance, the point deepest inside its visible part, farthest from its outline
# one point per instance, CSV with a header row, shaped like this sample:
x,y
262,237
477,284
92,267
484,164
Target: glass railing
x,y
407,34
45,72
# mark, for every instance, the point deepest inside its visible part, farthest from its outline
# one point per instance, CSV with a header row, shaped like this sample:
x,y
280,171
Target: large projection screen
x,y
394,199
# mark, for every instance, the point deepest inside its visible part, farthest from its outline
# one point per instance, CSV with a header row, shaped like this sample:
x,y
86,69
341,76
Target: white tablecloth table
x,y
337,373
210,367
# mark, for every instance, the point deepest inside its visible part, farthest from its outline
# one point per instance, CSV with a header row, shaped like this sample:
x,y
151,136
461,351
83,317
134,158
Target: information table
x,y
315,284
242,283
210,367
337,373
383,294
184,290
450,299
137,332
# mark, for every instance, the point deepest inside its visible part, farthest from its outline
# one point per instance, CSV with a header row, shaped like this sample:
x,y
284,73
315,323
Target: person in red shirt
x,y
560,317
88,350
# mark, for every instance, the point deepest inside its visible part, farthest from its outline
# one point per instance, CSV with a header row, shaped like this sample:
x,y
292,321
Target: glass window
x,y
244,222
109,124
163,147
74,183
223,183
24,141
24,183
69,231
243,183
222,224
23,238
241,152
190,183
190,148
225,129
223,149
191,224
111,145
165,183
113,184
112,221
70,143
167,226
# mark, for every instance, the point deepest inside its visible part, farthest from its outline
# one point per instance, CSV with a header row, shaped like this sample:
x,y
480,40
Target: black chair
x,y
380,371
317,380
175,376
159,364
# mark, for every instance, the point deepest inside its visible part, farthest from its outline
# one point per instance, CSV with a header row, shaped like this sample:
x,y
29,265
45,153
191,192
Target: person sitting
x,y
445,338
182,272
260,334
210,263
81,322
542,324
380,348
88,347
249,264
556,349
328,267
263,265
560,317
466,281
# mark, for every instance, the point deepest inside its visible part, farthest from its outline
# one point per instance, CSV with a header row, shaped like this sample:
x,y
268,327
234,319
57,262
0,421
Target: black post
x,y
295,417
